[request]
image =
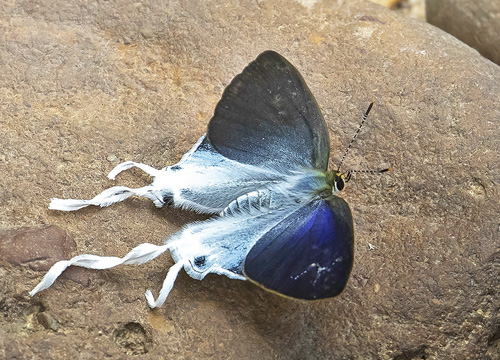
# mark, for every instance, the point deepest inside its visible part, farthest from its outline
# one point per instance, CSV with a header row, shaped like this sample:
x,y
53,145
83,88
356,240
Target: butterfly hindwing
x,y
267,116
308,255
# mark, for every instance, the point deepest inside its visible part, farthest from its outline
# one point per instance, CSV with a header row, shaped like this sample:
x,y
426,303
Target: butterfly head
x,y
338,180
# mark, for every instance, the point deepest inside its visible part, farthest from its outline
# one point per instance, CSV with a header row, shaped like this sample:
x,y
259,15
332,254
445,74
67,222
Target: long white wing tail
x,y
139,255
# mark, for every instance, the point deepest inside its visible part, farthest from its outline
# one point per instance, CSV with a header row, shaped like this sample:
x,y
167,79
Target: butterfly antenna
x,y
350,172
355,135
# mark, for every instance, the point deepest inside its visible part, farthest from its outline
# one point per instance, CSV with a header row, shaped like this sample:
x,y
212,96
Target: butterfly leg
x,y
168,284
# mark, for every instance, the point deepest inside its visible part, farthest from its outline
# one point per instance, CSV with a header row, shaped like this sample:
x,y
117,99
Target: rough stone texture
x,y
39,248
87,83
475,22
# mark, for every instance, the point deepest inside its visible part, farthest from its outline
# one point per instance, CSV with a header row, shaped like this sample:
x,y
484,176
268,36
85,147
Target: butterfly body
x,y
261,169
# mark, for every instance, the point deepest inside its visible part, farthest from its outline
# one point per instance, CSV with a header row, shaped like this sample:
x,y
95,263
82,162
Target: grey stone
x,y
97,84
475,22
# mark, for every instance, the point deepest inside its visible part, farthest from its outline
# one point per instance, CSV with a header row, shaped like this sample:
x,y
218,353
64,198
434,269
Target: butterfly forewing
x,y
308,255
268,117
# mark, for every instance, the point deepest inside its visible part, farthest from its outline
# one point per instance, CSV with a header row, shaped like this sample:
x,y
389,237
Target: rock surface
x,y
475,22
85,84
39,248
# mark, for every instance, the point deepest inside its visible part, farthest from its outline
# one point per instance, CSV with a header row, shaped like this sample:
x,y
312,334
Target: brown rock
x,y
475,22
10,349
81,81
39,248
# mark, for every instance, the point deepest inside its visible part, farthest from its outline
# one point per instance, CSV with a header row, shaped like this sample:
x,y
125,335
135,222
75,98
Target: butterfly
x,y
261,170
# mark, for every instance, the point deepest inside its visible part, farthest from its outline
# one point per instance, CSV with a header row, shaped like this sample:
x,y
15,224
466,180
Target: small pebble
x,y
47,321
112,158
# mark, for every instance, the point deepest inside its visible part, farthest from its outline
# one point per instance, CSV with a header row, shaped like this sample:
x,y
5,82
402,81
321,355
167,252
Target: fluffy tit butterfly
x,y
261,169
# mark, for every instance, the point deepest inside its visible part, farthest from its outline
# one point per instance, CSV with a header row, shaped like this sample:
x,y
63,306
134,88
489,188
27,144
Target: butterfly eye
x,y
339,183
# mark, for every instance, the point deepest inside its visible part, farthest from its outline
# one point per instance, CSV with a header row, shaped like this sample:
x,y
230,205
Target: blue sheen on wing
x,y
309,254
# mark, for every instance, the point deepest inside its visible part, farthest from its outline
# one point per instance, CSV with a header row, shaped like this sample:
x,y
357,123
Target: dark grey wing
x,y
267,116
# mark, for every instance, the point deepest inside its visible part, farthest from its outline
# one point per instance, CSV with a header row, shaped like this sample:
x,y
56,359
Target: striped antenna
x,y
380,171
355,135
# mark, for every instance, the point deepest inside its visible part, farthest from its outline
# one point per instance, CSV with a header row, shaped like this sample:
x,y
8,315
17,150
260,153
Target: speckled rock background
x,y
87,84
